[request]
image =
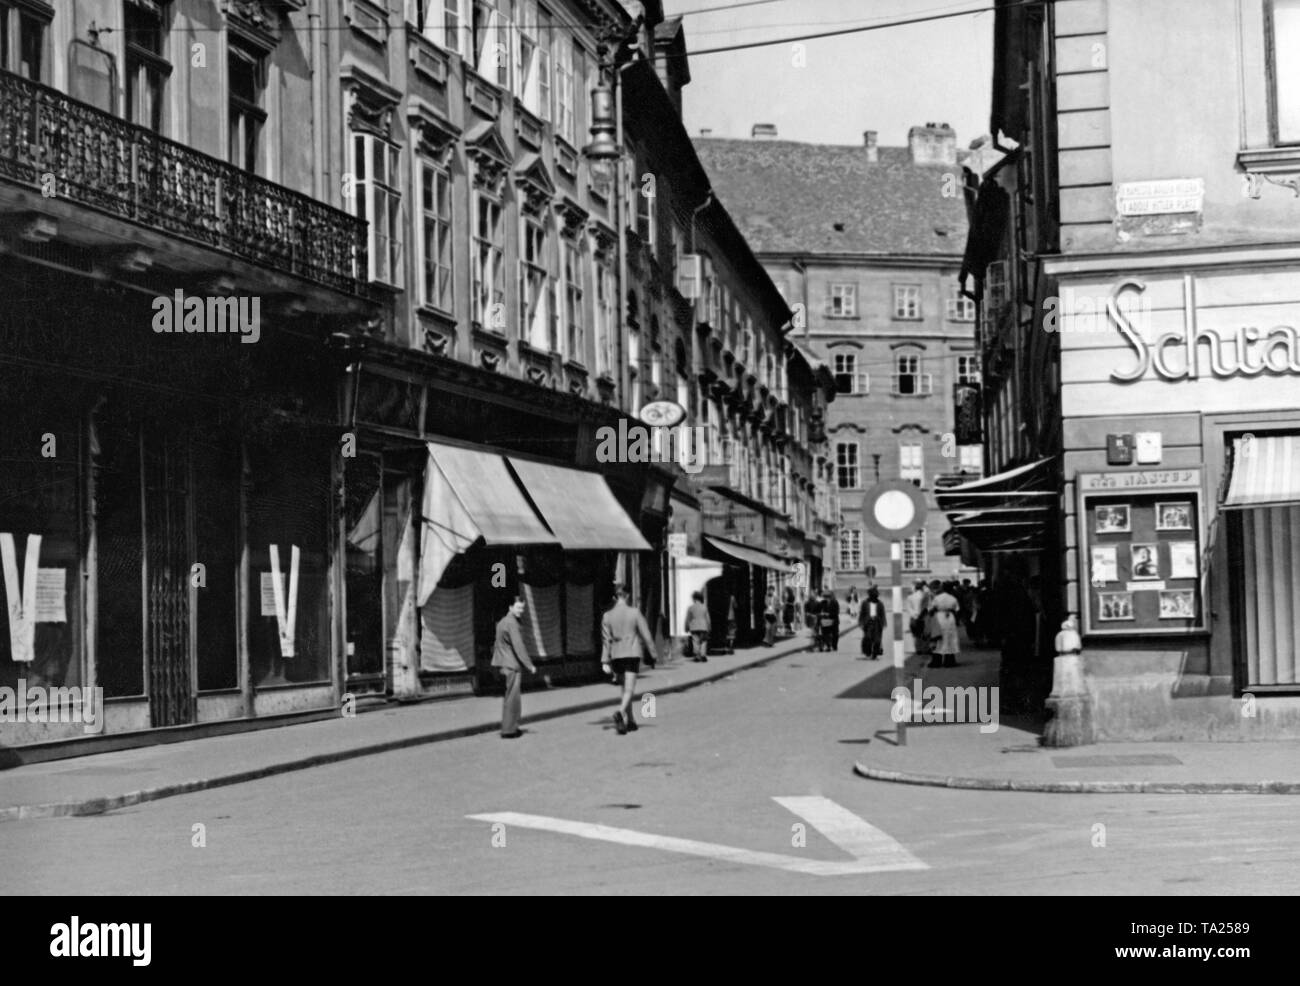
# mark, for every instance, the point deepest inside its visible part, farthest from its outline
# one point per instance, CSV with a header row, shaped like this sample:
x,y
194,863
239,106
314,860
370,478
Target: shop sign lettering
x,y
1195,352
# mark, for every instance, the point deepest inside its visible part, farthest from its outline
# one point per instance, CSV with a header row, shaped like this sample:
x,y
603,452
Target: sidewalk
x,y
958,755
103,782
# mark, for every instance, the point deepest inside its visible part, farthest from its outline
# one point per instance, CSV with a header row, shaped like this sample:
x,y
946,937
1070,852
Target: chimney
x,y
933,144
869,142
763,131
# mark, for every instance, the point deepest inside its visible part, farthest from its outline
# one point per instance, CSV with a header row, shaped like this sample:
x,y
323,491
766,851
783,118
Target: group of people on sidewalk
x,y
933,613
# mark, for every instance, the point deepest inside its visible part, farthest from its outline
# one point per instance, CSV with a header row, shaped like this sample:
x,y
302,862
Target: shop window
x,y
288,531
39,514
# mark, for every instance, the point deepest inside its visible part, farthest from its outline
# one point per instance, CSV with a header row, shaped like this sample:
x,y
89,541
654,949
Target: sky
x,y
886,80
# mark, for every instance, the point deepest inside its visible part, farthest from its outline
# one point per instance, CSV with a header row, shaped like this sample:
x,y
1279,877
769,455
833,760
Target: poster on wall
x,y
1140,537
1105,565
1182,560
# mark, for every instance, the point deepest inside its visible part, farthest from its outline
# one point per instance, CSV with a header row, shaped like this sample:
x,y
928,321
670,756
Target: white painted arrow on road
x,y
873,851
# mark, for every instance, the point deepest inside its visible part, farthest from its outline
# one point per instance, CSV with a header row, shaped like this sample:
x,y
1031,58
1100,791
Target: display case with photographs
x,y
1141,535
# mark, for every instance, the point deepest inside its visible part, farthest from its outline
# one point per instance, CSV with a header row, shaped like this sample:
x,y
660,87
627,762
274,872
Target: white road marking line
x,y
874,851
861,840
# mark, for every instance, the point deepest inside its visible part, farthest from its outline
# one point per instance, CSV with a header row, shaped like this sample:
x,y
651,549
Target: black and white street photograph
x,y
679,448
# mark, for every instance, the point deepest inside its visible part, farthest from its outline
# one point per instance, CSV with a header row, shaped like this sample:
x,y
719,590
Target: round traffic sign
x,y
894,510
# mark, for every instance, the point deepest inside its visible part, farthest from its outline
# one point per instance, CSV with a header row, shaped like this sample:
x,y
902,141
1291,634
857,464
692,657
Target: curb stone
x,y
101,805
1076,787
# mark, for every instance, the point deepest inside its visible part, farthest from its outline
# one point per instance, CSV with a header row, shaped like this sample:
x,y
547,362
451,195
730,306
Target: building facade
x,y
865,245
322,318
1138,315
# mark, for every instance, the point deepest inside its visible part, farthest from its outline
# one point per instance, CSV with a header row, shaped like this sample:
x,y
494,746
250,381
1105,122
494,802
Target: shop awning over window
x,y
750,556
468,495
1009,511
579,508
1265,472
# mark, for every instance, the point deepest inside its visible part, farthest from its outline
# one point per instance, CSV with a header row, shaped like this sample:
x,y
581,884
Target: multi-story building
x,y
865,244
1138,269
319,316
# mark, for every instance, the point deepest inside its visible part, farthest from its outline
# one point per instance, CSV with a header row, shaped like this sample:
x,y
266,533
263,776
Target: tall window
x,y
606,315
575,330
247,80
535,325
490,31
847,475
907,301
377,199
644,190
435,236
534,40
847,378
844,300
850,549
911,462
908,378
1284,71
444,22
487,273
565,117
146,67
22,41
968,369
914,559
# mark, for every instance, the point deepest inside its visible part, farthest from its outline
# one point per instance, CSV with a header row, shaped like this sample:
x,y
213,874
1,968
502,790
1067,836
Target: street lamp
x,y
605,156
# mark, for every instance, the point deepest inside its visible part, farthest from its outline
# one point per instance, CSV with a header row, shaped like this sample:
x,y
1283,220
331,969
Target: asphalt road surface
x,y
686,805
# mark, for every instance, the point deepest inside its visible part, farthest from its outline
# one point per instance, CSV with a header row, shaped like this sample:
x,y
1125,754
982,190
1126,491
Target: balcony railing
x,y
103,162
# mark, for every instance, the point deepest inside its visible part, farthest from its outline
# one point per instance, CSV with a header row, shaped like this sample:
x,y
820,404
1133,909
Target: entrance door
x,y
1266,546
169,639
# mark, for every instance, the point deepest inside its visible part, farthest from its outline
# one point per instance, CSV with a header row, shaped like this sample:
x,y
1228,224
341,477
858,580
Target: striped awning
x,y
1265,472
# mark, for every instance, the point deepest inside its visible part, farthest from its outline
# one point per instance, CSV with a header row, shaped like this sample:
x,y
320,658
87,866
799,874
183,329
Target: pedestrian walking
x,y
829,619
623,631
854,603
511,656
787,611
944,629
731,624
698,625
769,619
871,617
918,611
813,613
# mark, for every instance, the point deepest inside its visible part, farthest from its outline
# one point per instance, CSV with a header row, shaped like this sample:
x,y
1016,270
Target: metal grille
x,y
166,519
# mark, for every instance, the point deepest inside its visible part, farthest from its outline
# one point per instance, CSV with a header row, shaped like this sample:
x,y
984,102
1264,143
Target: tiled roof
x,y
789,197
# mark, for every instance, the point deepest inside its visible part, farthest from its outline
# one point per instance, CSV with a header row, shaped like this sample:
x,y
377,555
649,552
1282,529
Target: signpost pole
x,y
896,581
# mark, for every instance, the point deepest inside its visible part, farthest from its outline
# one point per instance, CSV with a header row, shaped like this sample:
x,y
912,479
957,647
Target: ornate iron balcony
x,y
103,162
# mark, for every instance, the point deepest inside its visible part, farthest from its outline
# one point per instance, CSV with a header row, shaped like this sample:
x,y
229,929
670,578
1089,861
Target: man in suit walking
x,y
511,656
623,631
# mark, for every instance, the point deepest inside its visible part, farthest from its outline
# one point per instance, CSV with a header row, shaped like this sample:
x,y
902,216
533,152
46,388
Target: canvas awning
x,y
750,556
1265,472
1008,511
579,508
470,495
